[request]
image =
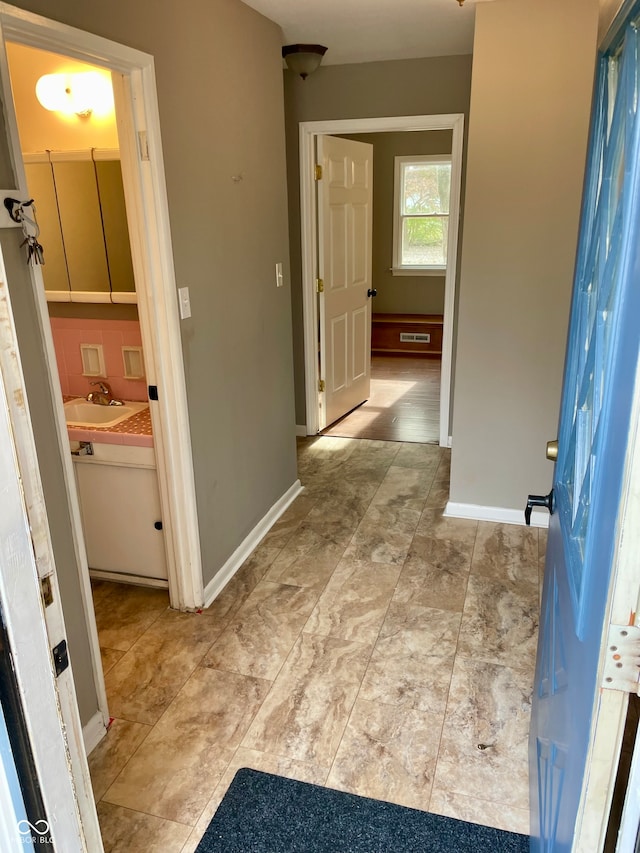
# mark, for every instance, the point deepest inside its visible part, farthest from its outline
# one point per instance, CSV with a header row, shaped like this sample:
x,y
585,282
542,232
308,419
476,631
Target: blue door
x,y
602,355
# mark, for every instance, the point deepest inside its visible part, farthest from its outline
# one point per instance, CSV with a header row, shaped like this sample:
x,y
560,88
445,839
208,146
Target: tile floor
x,y
368,644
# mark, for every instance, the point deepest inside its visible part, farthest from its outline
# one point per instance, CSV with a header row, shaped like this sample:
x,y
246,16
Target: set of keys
x,y
24,212
35,252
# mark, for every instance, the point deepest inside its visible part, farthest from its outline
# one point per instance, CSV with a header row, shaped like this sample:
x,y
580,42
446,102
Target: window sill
x,y
440,271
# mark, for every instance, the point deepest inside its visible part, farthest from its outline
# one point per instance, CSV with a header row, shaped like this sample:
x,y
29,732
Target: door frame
x,y
49,703
142,164
308,133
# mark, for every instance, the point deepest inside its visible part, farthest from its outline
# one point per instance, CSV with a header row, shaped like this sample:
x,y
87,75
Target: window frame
x,y
397,268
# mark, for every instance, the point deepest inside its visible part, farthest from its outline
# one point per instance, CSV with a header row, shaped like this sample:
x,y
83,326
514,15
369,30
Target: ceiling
x,y
373,30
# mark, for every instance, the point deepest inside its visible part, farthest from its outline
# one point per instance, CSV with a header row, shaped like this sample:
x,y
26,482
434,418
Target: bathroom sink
x,y
81,413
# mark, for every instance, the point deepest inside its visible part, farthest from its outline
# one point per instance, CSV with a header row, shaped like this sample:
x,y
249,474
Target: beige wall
x,y
530,107
219,118
399,294
373,89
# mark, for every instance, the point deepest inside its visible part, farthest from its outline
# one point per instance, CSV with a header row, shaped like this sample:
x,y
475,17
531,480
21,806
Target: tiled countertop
x,y
135,431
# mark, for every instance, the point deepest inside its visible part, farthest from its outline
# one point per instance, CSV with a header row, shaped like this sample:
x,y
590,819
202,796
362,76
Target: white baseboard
x,y
93,732
120,577
539,518
222,578
301,430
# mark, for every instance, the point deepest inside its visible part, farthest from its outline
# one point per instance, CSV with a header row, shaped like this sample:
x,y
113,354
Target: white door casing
x,y
345,224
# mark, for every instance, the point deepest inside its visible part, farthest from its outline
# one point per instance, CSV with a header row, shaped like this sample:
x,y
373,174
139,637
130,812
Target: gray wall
x,y
400,294
527,145
50,464
219,117
373,89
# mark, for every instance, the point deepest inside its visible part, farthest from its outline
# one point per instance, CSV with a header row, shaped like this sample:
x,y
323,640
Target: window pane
x,y
426,188
424,241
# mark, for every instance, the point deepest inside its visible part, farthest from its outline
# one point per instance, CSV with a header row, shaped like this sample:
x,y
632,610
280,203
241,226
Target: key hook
x,y
14,208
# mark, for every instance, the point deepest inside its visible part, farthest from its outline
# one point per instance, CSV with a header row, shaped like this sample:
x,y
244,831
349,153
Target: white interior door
x,y
345,224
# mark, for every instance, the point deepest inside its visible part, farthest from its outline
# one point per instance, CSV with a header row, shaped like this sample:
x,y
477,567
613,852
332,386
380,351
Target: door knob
x,y
552,450
538,500
372,292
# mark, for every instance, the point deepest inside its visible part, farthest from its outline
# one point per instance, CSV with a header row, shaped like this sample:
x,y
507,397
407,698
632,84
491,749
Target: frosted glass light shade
x,y
83,94
303,59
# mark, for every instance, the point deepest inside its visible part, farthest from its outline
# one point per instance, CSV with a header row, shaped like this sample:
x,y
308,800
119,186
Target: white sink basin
x,y
81,413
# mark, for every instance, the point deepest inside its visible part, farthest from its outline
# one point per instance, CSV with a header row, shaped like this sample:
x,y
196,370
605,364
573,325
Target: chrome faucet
x,y
103,397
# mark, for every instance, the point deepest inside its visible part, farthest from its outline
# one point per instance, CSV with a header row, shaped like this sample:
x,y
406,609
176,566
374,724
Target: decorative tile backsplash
x,y
113,335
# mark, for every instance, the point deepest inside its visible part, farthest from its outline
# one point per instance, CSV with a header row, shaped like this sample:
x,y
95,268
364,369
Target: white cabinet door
x,y
120,507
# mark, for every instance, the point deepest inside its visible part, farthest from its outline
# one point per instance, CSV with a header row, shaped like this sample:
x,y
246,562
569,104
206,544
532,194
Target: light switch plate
x,y
279,276
185,302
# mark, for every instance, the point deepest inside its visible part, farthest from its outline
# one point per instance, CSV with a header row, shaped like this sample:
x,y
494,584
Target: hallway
x,y
368,644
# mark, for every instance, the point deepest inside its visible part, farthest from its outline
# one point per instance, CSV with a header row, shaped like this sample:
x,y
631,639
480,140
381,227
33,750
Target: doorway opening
x,y
312,242
140,152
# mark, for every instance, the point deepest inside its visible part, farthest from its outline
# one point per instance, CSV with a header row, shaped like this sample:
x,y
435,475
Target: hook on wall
x,y
30,227
15,208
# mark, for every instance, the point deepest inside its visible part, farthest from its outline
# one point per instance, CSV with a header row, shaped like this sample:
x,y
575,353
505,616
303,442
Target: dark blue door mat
x,y
262,813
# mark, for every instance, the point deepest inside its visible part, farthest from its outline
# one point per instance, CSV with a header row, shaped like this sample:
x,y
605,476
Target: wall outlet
x,y
185,302
279,276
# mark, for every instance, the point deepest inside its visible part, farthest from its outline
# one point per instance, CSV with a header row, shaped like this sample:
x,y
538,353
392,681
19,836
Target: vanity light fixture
x,y
85,94
303,59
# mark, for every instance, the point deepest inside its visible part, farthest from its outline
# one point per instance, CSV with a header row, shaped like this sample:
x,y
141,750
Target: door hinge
x,y
622,660
143,145
46,590
318,172
321,386
320,285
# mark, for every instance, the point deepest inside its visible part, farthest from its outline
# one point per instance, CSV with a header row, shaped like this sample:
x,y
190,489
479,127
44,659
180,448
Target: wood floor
x,y
404,404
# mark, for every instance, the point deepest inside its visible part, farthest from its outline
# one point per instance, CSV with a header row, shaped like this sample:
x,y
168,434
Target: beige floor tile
x,y
435,574
403,487
462,531
308,560
412,660
355,601
126,831
438,495
338,491
506,552
112,753
490,705
177,768
475,810
256,760
500,622
110,658
384,535
130,611
241,585
305,714
147,678
425,457
263,631
388,754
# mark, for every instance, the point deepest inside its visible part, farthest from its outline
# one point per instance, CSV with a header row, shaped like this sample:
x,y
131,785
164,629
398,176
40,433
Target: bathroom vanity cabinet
x,y
121,516
80,208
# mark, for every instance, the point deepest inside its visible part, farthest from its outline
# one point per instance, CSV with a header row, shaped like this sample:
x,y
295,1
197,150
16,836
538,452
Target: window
x,y
421,215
